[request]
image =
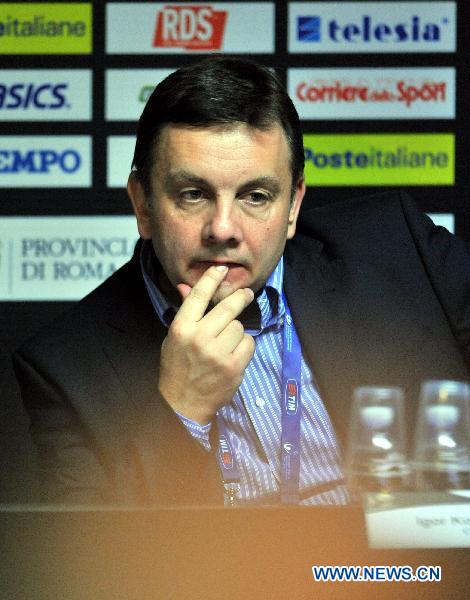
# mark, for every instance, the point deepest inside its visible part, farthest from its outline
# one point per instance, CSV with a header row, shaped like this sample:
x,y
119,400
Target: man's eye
x,y
256,198
191,195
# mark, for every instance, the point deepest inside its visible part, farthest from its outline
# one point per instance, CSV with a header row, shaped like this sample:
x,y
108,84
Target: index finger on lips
x,y
196,302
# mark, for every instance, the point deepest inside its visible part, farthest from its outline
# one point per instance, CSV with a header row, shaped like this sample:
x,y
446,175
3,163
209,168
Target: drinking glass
x,y
442,441
376,456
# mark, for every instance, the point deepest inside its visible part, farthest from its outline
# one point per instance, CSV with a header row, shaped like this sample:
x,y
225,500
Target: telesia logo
x,y
367,29
190,27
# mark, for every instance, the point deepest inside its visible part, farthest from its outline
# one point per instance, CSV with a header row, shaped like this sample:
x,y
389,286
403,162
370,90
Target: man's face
x,y
220,195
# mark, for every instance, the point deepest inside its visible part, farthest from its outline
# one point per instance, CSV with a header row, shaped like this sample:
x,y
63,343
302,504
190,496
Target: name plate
x,y
409,520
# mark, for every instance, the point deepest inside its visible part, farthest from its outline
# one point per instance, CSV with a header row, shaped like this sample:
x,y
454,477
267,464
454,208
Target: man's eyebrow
x,y
182,177
266,181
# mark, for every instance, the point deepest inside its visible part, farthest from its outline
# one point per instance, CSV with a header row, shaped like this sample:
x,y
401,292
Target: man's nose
x,y
222,224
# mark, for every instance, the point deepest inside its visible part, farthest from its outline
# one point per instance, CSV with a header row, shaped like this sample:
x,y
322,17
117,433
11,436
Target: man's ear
x,y
140,204
295,207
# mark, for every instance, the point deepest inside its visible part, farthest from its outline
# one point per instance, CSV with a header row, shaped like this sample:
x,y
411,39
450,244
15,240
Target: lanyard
x,y
227,463
290,423
291,409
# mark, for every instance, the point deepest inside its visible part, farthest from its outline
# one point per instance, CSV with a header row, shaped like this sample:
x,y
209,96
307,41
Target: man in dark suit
x,y
166,384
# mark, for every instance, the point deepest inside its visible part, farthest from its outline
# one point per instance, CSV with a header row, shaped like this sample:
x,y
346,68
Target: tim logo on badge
x,y
225,452
190,27
292,397
309,29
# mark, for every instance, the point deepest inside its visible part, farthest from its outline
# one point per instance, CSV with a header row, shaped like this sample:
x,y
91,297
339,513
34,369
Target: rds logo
x,y
190,27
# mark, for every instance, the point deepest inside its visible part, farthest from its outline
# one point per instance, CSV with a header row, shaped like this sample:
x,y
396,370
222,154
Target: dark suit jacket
x,y
378,295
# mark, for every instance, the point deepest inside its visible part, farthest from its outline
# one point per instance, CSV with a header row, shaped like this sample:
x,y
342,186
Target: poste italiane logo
x,y
190,27
45,28
379,159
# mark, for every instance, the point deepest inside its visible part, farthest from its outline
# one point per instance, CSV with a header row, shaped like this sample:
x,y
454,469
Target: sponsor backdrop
x,y
382,89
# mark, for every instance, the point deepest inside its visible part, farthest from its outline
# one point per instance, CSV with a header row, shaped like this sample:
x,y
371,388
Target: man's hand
x,y
204,357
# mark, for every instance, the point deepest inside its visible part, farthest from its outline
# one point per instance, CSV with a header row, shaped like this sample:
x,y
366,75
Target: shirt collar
x,y
268,311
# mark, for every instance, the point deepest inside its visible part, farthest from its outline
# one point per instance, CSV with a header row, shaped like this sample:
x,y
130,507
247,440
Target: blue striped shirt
x,y
253,417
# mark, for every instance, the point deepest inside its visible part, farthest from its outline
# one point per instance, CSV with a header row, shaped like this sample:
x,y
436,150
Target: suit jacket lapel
x,y
131,336
317,291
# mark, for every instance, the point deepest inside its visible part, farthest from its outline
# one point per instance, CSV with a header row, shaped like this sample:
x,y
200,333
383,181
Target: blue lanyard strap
x,y
227,463
290,423
291,411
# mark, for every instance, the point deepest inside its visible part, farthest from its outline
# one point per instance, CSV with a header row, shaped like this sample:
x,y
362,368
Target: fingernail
x,y
251,293
222,268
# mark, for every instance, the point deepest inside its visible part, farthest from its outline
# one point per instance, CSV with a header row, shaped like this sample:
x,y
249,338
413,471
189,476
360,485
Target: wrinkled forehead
x,y
171,135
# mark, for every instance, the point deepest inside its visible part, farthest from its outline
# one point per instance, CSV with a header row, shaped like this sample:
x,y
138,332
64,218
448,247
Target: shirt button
x,y
260,402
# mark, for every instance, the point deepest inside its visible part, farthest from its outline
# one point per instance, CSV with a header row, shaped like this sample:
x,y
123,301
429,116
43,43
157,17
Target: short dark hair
x,y
217,91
